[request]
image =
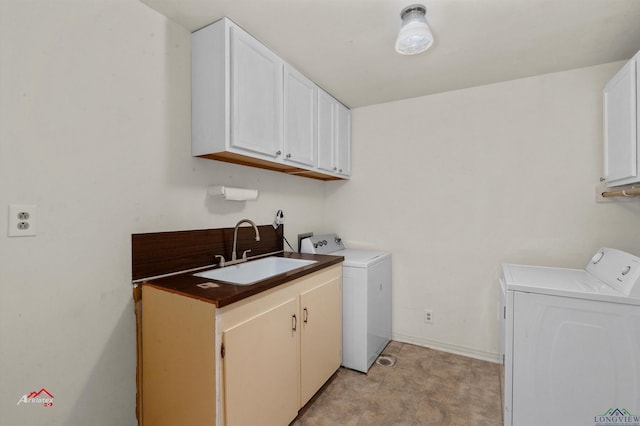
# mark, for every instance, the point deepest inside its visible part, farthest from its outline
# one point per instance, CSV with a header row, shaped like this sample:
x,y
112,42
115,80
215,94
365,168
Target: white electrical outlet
x,y
428,316
22,220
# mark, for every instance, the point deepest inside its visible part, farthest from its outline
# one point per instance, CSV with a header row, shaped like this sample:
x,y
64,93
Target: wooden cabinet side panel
x,y
178,368
321,337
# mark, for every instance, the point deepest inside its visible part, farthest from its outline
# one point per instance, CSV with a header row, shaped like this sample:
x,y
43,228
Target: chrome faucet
x,y
234,256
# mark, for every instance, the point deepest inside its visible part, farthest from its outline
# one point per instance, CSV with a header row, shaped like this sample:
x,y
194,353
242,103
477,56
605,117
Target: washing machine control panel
x,y
618,269
321,244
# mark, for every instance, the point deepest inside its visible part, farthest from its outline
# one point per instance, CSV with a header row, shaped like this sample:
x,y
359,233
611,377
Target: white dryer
x,y
571,342
366,299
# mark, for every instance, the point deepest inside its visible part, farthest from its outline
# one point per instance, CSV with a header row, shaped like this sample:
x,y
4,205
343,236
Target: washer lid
x,y
576,283
361,258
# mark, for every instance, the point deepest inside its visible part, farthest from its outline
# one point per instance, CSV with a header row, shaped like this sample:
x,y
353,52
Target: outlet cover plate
x,y
428,316
22,220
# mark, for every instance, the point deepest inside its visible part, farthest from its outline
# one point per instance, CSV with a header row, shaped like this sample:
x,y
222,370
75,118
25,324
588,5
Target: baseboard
x,y
448,347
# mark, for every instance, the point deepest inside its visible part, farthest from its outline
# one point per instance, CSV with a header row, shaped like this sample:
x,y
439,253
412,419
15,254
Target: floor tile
x,y
423,387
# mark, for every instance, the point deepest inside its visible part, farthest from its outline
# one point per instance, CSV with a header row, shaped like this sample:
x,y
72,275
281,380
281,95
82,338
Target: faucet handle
x,y
221,264
244,254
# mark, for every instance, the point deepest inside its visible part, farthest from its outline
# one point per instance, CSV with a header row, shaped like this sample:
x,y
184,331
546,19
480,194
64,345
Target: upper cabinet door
x,y
334,135
326,131
256,95
299,118
620,127
343,141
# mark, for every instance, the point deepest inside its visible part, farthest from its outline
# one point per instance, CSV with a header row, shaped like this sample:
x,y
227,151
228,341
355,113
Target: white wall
x,y
456,183
95,130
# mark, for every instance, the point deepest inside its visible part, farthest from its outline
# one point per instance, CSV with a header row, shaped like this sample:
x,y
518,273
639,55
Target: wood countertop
x,y
224,294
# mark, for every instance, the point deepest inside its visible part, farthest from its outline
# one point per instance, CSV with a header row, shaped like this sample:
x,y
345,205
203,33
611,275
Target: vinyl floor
x,y
423,387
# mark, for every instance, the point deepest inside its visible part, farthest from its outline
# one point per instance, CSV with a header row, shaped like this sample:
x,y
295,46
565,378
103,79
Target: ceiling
x,y
347,46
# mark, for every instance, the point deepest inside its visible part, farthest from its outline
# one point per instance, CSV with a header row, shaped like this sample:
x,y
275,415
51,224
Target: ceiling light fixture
x,y
415,35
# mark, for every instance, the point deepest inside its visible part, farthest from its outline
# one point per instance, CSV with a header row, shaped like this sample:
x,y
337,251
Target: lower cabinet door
x,y
321,337
260,366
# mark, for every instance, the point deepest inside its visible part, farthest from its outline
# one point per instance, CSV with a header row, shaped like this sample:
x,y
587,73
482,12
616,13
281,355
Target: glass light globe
x,y
415,35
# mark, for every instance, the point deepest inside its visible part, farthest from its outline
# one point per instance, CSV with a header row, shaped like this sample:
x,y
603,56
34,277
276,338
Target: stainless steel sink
x,y
256,270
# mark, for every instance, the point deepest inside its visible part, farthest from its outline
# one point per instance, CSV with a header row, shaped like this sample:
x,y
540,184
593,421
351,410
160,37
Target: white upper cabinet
x,y
299,118
250,107
621,119
334,136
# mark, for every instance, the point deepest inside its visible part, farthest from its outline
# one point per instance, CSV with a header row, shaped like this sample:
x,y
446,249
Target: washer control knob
x,y
324,242
626,270
597,257
338,240
315,245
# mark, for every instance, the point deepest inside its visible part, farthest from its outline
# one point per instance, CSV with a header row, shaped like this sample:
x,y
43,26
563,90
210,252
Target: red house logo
x,y
43,397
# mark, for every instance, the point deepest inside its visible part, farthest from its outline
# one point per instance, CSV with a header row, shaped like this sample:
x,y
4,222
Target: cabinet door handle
x,y
305,316
288,155
294,321
279,152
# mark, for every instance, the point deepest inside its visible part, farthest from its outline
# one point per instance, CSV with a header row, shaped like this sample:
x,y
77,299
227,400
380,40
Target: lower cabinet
x,y
280,348
254,362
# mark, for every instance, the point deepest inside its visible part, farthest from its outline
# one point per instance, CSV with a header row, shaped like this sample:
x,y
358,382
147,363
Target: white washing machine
x,y
571,342
366,299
